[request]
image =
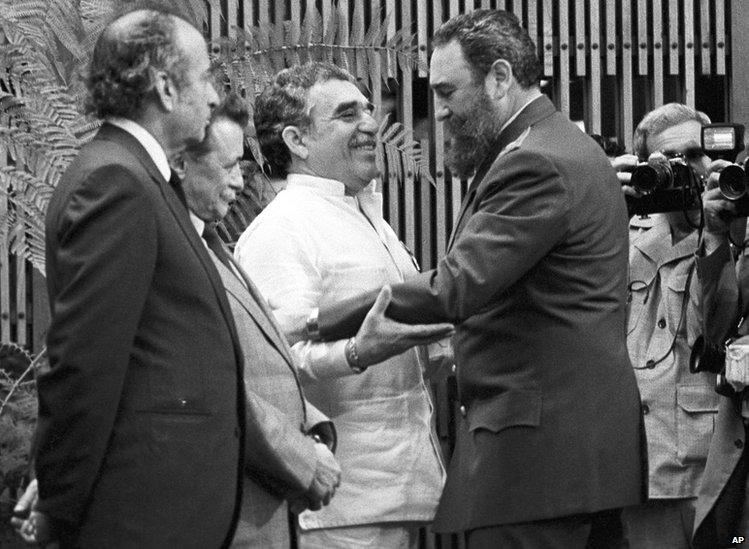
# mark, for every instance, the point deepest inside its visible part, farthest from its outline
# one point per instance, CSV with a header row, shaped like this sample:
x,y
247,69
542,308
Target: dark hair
x,y
488,35
121,71
232,108
660,119
284,103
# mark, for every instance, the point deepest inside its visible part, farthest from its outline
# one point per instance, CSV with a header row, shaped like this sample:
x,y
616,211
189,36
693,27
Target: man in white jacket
x,y
324,238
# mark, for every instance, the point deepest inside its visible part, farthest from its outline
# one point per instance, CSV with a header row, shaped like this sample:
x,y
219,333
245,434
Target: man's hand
x,y
624,165
33,526
324,483
380,337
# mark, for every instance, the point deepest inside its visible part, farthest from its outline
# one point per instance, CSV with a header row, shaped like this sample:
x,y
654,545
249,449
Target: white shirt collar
x,y
198,223
154,150
323,185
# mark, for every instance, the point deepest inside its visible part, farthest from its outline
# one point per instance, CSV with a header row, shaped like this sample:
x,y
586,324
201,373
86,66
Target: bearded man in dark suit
x,y
141,411
549,433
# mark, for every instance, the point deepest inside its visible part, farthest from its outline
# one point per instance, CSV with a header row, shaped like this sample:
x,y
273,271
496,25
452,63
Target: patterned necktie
x,y
214,244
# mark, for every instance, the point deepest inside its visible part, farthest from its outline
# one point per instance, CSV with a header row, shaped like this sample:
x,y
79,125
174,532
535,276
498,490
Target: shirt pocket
x,y
676,302
695,421
640,292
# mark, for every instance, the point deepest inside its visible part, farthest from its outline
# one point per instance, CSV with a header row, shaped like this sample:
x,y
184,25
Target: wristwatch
x,y
312,327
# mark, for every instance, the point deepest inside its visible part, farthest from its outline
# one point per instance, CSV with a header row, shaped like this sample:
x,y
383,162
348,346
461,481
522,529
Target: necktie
x,y
176,184
214,244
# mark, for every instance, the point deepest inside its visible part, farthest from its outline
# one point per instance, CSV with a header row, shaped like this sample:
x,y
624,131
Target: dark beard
x,y
472,139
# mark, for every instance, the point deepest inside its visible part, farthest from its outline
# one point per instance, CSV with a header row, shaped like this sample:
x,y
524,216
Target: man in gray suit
x,y
288,455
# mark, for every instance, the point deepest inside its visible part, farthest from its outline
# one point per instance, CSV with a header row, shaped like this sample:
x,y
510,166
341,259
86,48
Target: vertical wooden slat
x,y
214,10
564,58
610,37
40,308
296,21
248,7
327,8
263,15
642,37
689,53
720,37
705,38
657,53
674,46
21,337
626,76
548,45
580,42
533,24
455,187
518,10
231,17
739,107
594,15
439,162
408,122
422,30
391,18
486,4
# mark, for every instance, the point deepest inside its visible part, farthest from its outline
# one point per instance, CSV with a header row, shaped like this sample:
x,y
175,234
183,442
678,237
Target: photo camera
x,y
725,142
729,360
668,183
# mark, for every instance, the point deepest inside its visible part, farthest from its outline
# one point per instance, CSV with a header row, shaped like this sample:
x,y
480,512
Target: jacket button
x,y
739,443
662,323
454,368
645,409
463,411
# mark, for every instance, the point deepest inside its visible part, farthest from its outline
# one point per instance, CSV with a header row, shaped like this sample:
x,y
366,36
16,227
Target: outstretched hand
x,y
380,337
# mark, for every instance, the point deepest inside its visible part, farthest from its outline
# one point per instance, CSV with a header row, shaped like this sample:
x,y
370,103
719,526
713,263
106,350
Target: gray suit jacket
x,y
280,459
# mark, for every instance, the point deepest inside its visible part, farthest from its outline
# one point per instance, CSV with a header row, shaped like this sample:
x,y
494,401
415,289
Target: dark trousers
x,y
602,530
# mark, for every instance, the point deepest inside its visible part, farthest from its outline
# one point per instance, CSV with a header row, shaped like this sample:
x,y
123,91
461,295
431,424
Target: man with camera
x,y
675,272
721,517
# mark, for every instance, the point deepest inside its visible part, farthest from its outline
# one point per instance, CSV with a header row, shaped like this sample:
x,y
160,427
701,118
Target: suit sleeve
x,y
720,293
278,455
520,216
104,248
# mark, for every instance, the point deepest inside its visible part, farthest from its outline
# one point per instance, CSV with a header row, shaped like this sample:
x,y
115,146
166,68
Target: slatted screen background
x,y
606,63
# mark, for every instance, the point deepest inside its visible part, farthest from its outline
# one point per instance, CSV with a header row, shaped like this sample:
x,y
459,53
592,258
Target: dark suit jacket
x,y
535,279
141,412
280,458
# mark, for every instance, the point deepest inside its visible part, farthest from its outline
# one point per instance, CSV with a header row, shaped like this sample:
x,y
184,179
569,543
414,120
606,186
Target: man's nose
x,y
235,179
212,96
441,111
368,123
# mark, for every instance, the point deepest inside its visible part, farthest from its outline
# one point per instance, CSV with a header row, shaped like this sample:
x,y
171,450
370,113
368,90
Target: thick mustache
x,y
363,142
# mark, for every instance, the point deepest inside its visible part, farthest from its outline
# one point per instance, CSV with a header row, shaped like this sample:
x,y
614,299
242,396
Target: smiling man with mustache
x,y
323,238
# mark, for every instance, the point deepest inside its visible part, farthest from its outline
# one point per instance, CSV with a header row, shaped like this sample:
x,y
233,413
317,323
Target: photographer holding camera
x,y
674,271
722,511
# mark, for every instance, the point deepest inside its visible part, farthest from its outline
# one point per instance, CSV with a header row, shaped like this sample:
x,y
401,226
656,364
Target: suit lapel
x,y
245,292
133,146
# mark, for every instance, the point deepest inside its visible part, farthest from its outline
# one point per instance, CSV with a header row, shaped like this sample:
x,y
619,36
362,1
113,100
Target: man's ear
x,y
499,79
294,139
166,91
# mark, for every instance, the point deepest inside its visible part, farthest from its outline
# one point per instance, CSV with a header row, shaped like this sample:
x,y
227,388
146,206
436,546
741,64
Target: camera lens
x,y
648,177
732,182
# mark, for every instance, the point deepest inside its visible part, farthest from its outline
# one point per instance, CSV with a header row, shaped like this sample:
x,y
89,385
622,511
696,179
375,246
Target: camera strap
x,y
650,364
